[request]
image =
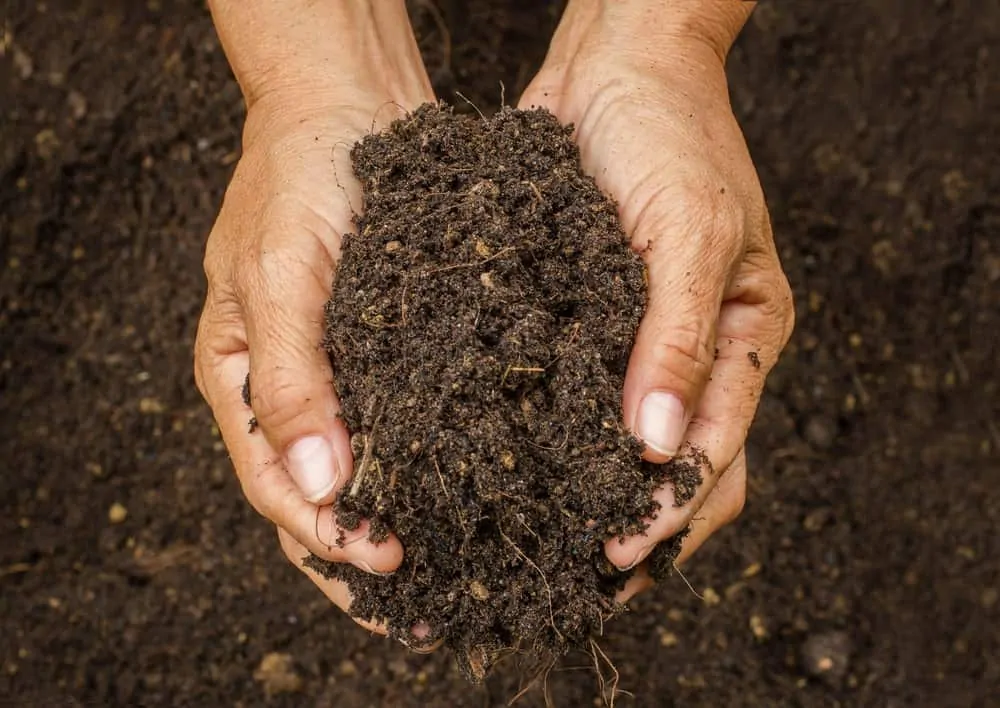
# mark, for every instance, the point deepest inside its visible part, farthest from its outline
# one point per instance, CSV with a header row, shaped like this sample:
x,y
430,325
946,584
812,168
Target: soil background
x,y
871,526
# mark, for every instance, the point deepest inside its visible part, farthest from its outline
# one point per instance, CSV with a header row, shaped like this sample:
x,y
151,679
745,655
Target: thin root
x,y
474,106
366,459
686,582
447,494
544,676
607,695
496,255
548,588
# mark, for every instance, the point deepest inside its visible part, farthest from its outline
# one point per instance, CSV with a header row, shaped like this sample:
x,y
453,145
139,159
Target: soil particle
x,y
277,674
479,329
821,431
826,655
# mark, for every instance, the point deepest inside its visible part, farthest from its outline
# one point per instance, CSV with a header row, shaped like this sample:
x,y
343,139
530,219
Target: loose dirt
x,y
479,330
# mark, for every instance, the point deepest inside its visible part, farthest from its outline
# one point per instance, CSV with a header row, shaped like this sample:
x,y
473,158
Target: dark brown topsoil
x,y
479,329
864,570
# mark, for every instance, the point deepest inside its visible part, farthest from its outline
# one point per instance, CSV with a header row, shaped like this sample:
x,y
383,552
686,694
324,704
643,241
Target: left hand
x,y
656,130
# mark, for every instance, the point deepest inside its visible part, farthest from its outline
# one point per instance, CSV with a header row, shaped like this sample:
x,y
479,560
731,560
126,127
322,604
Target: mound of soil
x,y
480,327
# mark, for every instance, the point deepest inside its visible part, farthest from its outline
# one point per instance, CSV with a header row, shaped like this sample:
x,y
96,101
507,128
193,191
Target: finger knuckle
x,y
786,296
736,506
683,353
271,504
290,547
777,304
279,399
199,370
219,258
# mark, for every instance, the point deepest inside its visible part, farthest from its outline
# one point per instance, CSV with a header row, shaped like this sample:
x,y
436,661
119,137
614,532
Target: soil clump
x,y
480,328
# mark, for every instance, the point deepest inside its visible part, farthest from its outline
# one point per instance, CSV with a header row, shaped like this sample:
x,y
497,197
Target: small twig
x,y
447,494
16,569
471,265
474,106
444,488
520,370
537,191
366,458
527,528
402,303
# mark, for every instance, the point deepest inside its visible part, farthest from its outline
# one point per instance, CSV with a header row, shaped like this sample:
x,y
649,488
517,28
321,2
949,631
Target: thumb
x,y
689,252
291,382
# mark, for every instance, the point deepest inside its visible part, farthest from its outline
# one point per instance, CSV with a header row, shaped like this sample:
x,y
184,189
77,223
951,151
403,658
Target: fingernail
x,y
640,556
661,422
362,565
312,464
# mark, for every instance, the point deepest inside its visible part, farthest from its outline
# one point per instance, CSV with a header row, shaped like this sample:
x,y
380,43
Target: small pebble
x,y
77,104
151,405
276,673
821,432
478,590
117,513
826,654
668,639
23,63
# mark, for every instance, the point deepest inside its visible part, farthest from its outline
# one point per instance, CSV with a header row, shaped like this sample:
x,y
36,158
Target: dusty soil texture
x,y
480,327
865,568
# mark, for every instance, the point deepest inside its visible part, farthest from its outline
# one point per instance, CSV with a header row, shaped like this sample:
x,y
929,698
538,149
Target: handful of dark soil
x,y
479,329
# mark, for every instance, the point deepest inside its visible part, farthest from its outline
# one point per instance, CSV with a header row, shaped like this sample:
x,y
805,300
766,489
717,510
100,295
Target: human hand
x,y
270,264
648,97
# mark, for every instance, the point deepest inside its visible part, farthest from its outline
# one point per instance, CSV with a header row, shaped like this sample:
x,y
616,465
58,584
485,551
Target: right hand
x,y
270,263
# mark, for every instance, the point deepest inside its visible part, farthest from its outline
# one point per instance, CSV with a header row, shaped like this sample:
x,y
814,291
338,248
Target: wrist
x,y
654,30
307,55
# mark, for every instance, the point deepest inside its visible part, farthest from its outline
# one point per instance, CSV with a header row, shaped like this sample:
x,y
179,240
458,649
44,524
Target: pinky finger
x,y
638,582
335,590
721,507
339,594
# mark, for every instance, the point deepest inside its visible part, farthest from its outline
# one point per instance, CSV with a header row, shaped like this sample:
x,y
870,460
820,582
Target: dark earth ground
x,y
874,498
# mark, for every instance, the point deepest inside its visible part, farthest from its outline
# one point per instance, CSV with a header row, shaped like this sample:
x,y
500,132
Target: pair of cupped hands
x,y
655,129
